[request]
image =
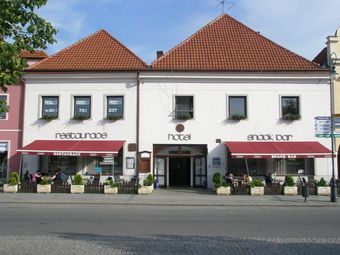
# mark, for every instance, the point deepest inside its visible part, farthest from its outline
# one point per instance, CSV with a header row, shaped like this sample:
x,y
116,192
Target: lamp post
x,y
333,75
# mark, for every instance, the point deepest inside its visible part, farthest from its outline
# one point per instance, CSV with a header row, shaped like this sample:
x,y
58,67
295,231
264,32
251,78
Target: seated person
x,y
269,179
229,178
247,178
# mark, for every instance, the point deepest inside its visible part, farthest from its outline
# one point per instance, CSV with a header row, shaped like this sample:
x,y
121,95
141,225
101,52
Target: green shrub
x,y
114,117
238,117
217,180
80,117
291,116
256,183
48,117
78,180
321,183
45,181
290,181
13,179
148,180
112,183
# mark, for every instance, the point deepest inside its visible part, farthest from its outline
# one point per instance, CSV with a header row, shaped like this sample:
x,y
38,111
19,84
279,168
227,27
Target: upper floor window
x,y
4,107
237,107
82,107
290,108
50,107
114,107
184,107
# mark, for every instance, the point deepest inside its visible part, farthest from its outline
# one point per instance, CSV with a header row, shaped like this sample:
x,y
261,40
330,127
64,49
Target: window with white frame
x,y
3,112
50,107
184,107
114,107
290,108
237,107
82,107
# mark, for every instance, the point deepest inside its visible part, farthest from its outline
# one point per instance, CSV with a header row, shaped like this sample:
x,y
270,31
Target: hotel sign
x,y
269,137
80,136
179,137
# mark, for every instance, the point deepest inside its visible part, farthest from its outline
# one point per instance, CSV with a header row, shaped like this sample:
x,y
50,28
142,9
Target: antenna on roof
x,y
222,3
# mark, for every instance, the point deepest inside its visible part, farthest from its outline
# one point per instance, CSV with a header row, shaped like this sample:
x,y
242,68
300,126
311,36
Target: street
x,y
138,229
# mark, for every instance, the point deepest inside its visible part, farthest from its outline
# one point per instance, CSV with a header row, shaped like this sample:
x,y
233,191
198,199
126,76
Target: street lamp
x,y
333,76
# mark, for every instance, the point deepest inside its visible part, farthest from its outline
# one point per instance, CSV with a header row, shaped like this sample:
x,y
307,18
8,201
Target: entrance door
x,y
200,173
179,171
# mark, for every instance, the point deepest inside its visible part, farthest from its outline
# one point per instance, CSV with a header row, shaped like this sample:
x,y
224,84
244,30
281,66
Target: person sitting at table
x,y
269,179
229,178
247,178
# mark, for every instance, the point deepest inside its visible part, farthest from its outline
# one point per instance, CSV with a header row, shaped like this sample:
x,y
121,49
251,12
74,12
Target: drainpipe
x,y
137,122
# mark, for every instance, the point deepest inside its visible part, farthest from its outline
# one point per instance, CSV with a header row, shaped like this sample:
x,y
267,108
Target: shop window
x,y
184,107
3,115
114,107
50,107
290,108
82,107
237,107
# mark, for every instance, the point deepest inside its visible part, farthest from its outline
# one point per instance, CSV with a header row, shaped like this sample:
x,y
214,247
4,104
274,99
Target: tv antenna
x,y
223,3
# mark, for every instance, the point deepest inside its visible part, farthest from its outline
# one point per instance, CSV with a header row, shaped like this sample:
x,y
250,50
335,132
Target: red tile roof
x,y
227,45
97,52
38,54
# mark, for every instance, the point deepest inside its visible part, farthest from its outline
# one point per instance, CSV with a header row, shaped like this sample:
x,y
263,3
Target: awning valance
x,y
72,148
278,150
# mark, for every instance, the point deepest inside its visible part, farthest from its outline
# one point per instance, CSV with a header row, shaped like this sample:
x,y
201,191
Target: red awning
x,y
73,148
278,150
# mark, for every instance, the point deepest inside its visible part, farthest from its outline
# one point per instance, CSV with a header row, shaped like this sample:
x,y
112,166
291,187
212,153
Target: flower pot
x,y
323,191
110,190
145,190
223,191
77,189
257,191
46,188
290,190
9,188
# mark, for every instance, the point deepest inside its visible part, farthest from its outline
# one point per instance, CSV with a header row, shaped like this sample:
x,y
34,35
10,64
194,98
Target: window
x,y
237,107
115,107
50,107
184,107
3,115
82,107
290,106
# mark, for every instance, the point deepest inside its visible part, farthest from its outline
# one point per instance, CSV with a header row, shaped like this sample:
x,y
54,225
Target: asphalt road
x,y
90,229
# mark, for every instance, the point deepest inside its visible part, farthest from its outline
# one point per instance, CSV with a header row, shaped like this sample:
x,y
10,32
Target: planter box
x,y
110,190
257,191
8,188
44,188
223,191
290,190
77,189
323,191
145,190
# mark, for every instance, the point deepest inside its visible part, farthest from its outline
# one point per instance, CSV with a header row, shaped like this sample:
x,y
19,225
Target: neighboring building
x,y
11,122
229,99
80,109
330,55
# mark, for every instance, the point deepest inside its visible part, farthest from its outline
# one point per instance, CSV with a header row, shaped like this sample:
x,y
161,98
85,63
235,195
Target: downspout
x,y
137,122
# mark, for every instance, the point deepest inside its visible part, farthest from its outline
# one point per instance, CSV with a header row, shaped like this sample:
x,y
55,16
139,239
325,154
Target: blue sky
x,y
146,26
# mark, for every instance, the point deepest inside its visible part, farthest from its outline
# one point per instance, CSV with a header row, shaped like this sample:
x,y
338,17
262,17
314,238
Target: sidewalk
x,y
166,197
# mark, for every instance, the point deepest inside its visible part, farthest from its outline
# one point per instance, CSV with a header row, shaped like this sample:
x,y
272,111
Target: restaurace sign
x,y
269,137
80,136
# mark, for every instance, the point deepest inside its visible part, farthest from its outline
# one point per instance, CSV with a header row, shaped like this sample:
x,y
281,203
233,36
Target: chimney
x,y
159,53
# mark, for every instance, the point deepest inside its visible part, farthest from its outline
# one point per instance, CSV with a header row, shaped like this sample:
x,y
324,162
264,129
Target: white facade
x,y
66,86
210,93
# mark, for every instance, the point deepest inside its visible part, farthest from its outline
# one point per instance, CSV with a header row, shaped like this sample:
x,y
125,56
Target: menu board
x,y
82,106
50,106
115,106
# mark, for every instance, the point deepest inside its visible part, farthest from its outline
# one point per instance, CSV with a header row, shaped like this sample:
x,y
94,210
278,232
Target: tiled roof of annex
x,y
99,52
225,44
38,54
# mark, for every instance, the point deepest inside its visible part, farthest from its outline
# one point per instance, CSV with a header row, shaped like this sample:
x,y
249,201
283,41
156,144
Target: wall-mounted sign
x,y
79,136
107,161
269,137
130,163
216,162
179,137
284,156
66,154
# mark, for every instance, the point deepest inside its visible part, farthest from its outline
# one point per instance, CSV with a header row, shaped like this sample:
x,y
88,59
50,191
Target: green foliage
x,y
115,117
256,183
217,180
13,179
183,116
112,183
45,181
321,183
290,181
80,117
78,180
148,181
291,116
3,106
48,117
238,117
20,29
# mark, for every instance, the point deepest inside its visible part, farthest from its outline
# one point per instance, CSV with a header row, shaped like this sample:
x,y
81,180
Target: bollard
x,y
156,183
305,192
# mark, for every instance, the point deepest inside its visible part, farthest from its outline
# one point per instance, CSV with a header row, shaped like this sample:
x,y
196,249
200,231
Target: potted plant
x,y
44,186
48,117
77,185
237,117
221,187
257,187
147,187
111,187
289,187
291,116
322,188
11,185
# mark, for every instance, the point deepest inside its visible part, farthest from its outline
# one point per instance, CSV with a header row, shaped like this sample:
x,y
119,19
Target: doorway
x,y
179,171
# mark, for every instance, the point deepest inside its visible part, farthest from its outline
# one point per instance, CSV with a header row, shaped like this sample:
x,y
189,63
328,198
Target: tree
x,y
20,29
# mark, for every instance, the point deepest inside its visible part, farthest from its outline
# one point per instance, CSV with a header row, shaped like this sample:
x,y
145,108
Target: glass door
x,y
159,171
200,172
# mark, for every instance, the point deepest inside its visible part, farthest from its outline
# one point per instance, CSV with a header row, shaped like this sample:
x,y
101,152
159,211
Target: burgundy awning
x,y
278,150
72,148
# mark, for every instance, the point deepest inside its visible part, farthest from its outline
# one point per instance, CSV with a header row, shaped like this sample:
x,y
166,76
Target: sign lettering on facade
x,y
80,136
269,137
284,156
179,137
66,154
